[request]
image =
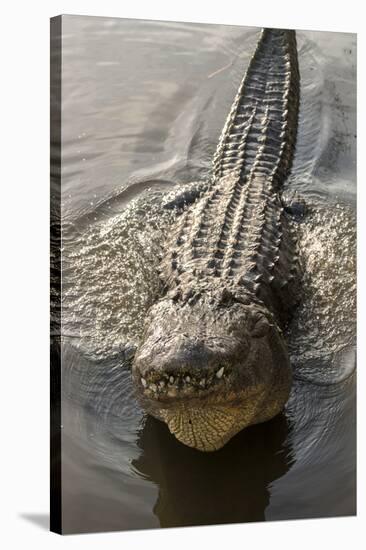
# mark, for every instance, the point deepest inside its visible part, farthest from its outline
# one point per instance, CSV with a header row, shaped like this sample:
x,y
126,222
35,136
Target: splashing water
x,y
322,335
110,277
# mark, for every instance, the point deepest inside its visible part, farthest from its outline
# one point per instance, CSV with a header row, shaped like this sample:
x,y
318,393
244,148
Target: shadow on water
x,y
228,486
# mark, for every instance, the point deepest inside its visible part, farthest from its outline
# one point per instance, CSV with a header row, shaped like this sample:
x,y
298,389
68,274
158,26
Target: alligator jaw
x,y
209,427
205,429
170,387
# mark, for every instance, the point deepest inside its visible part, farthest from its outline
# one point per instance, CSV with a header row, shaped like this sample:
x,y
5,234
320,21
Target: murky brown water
x,y
143,106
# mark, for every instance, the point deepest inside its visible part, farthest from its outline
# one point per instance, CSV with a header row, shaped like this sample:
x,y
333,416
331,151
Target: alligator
x,y
213,357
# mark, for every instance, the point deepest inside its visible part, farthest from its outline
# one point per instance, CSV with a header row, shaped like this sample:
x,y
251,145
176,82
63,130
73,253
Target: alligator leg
x,y
294,204
185,195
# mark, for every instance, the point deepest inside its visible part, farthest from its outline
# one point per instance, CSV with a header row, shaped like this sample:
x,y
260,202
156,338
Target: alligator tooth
x,y
203,382
220,372
153,387
143,382
188,378
171,379
162,383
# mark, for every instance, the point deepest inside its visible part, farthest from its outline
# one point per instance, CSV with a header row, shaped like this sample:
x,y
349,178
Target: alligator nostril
x,y
189,421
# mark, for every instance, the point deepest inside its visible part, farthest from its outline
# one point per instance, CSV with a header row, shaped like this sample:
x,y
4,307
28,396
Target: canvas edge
x,y
55,275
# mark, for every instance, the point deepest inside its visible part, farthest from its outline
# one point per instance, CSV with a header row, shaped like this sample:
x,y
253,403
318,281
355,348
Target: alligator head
x,y
211,363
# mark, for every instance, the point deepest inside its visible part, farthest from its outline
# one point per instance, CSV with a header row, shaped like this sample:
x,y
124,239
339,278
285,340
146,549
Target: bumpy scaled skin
x,y
213,359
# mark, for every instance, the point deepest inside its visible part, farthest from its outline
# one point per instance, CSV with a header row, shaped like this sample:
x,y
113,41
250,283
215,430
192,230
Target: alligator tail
x,y
259,136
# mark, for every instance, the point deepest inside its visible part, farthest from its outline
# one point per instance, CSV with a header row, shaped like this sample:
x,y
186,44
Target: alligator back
x,y
237,235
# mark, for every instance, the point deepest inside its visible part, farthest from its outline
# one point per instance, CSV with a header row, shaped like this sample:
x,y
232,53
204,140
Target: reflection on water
x,y
197,488
143,105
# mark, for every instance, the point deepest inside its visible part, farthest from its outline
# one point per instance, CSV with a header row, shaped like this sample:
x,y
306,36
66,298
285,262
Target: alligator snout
x,y
184,367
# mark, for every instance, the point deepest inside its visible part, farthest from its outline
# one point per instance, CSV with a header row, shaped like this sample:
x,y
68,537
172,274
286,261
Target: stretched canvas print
x,y
203,274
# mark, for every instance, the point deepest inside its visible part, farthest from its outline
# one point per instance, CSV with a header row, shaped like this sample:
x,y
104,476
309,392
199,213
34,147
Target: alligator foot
x,y
185,195
294,204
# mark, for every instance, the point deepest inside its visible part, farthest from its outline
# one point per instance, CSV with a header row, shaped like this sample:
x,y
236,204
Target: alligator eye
x,y
260,326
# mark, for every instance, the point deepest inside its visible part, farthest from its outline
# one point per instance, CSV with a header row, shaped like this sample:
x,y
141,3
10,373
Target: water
x,y
143,106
